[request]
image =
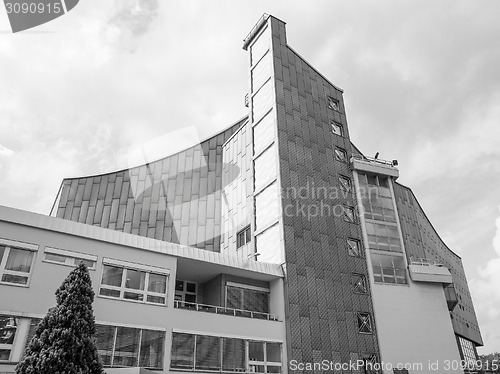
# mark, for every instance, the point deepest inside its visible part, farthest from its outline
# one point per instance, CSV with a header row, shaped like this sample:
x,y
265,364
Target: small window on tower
x,y
358,282
364,323
337,128
345,183
333,104
349,214
353,247
340,155
243,237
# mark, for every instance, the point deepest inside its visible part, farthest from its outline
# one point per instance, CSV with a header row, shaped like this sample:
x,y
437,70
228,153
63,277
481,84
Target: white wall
x,y
414,326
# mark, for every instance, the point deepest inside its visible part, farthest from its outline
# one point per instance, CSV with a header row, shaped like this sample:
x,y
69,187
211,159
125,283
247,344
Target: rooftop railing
x,y
392,163
425,262
224,310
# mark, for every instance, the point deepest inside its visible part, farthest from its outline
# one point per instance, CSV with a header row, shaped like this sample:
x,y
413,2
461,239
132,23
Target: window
x,y
468,352
340,155
348,213
388,268
345,183
265,244
185,291
358,282
134,284
243,237
8,329
384,237
16,264
333,104
210,353
364,323
265,168
247,298
337,128
267,206
400,371
130,347
353,247
69,258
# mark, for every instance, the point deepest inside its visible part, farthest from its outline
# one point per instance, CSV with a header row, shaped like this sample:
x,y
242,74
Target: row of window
x,y
211,353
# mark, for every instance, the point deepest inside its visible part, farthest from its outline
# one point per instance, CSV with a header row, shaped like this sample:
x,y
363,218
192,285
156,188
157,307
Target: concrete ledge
x,y
430,273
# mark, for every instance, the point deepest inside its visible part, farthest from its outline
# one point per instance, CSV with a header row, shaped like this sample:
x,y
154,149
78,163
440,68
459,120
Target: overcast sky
x,y
421,82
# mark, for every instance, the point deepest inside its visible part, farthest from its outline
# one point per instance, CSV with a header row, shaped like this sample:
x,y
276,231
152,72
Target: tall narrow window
x,y
364,323
8,329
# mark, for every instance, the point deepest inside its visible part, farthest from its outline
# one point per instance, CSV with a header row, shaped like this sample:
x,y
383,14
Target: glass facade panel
x,y
135,279
157,283
262,100
19,260
263,133
208,353
256,351
266,206
152,345
261,72
388,268
112,276
268,245
233,355
383,237
182,351
265,168
259,47
126,350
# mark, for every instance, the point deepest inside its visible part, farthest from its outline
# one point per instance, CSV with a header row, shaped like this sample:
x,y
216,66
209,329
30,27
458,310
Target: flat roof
x,y
40,221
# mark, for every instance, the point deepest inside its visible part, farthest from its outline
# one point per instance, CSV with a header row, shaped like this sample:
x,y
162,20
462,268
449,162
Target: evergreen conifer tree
x,y
63,342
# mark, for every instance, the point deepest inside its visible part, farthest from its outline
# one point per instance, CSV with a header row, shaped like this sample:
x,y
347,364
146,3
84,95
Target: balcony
x,y
425,270
375,165
223,310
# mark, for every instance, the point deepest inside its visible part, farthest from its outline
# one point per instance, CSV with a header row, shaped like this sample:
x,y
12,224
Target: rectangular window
x,y
69,258
468,352
353,247
201,353
340,155
383,237
267,245
16,264
333,104
358,283
400,371
254,300
348,214
364,323
388,268
262,101
8,330
337,128
243,237
141,285
130,347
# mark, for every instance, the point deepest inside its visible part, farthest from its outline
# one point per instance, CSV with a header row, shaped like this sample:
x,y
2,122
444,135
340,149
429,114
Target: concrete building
x,y
269,247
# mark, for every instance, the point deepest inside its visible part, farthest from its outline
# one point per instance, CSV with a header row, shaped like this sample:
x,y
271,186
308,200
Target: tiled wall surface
x,y
175,199
321,303
237,191
422,241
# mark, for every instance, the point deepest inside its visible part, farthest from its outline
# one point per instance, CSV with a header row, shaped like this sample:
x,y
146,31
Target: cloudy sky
x,y
421,81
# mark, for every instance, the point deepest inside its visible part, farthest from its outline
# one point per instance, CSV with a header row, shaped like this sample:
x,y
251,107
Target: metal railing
x,y
373,159
223,310
425,262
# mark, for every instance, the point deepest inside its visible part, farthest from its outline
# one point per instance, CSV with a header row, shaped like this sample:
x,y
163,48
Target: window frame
x,y
355,280
342,185
248,363
10,346
358,246
139,345
9,245
333,103
348,208
366,320
339,151
334,124
69,255
244,232
148,270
